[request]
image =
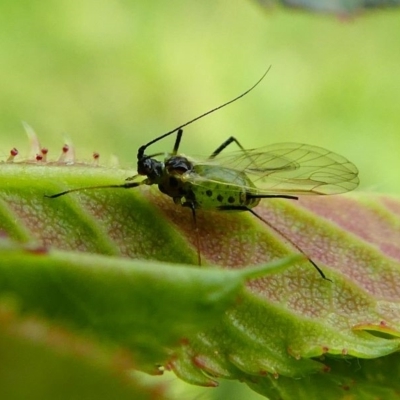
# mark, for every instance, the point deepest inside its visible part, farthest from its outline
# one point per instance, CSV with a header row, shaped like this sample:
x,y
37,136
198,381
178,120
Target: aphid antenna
x,y
143,148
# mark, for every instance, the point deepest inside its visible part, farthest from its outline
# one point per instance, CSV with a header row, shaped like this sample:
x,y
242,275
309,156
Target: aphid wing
x,y
295,168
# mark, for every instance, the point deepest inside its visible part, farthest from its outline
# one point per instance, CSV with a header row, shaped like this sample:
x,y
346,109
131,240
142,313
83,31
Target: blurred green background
x,y
114,75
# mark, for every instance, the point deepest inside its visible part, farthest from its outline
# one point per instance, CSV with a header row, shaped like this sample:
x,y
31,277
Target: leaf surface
x,y
291,331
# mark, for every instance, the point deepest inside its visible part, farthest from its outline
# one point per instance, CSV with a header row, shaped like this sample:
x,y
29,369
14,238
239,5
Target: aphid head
x,y
150,167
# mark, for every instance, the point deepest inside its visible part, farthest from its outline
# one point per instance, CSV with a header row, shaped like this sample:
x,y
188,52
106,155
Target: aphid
x,y
239,180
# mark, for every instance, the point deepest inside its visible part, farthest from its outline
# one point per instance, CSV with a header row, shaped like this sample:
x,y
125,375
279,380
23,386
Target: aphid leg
x,y
245,208
291,242
123,186
227,142
132,178
224,145
177,141
193,208
271,196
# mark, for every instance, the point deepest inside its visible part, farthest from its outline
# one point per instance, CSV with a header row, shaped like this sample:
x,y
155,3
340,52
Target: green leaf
x,y
41,360
290,332
146,306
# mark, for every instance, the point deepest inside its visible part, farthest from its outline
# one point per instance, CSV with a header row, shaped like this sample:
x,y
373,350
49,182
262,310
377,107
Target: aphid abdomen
x,y
214,187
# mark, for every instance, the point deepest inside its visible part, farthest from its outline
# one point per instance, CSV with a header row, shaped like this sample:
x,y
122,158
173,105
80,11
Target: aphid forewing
x,y
293,168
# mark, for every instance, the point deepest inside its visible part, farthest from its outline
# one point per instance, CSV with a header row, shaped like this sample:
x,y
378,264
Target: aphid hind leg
x,y
291,242
245,208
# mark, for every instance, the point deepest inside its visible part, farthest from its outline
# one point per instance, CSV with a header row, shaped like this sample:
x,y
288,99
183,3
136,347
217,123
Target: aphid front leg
x,y
132,178
127,185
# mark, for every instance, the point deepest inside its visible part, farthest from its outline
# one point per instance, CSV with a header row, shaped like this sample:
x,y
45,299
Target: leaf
x,y
347,378
291,332
340,7
41,360
118,300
